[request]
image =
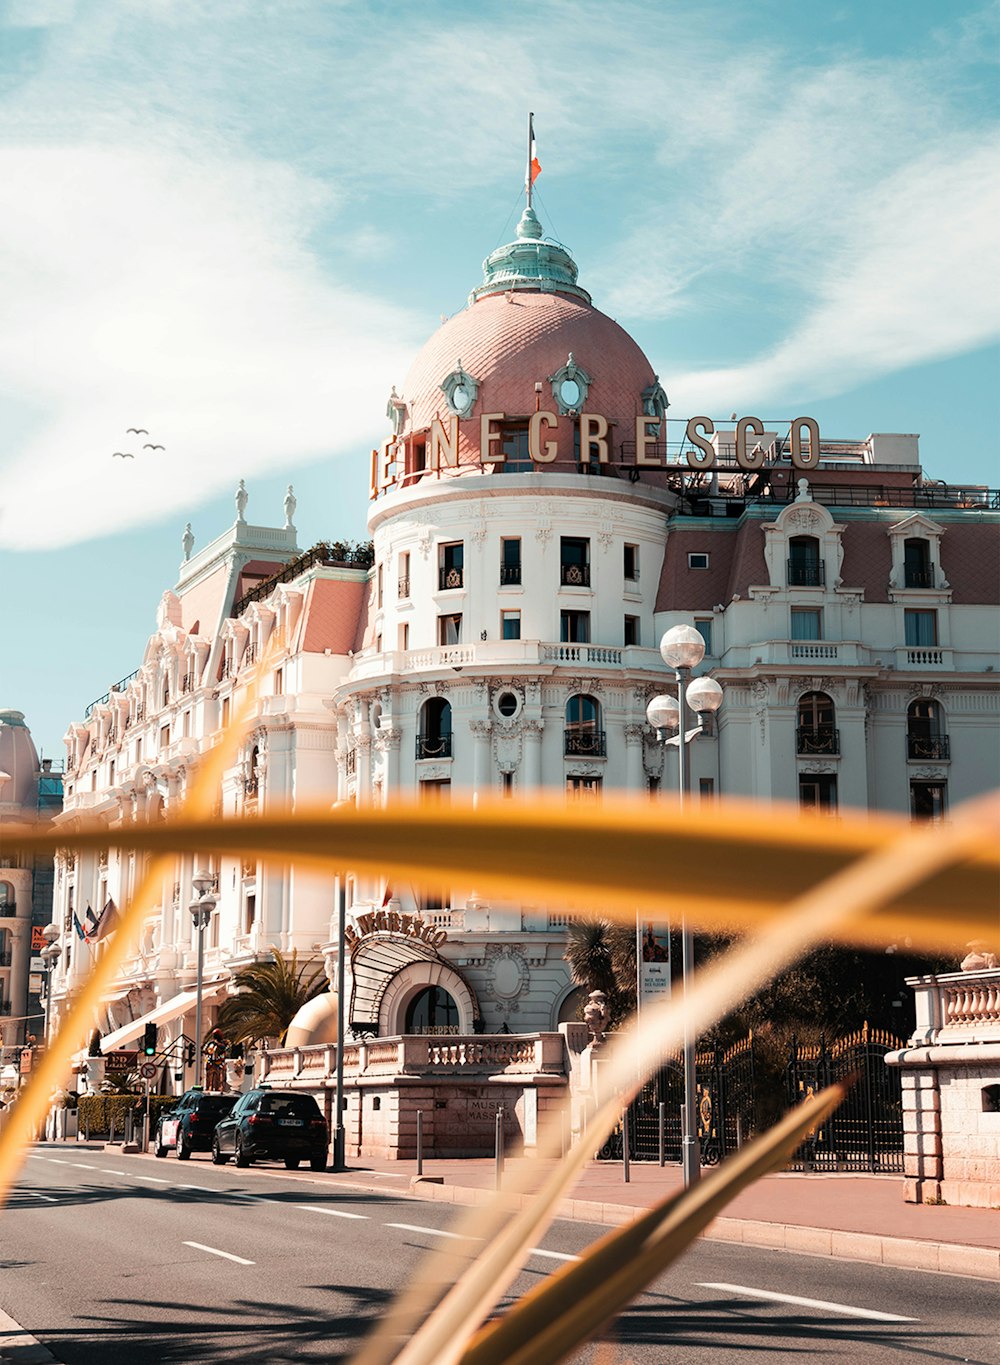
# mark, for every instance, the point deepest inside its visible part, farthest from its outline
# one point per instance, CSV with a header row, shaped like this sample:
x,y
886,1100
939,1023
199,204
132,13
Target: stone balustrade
x,y
528,1054
957,1007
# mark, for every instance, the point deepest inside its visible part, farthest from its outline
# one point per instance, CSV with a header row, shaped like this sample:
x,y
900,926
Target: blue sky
x,y
234,224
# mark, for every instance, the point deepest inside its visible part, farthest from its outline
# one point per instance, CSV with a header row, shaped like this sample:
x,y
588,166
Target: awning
x,y
163,1014
373,965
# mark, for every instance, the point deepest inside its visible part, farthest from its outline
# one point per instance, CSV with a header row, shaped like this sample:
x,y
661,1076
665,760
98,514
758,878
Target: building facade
x,y
537,523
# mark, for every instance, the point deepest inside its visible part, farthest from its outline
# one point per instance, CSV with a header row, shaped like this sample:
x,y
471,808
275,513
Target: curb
x,y
20,1347
904,1253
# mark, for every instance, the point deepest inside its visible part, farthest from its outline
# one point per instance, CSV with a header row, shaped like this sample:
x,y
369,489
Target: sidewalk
x,y
855,1217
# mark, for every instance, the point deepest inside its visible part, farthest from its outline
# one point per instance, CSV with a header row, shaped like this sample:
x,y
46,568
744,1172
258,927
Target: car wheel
x,y
242,1155
158,1148
183,1150
219,1157
292,1163
317,1163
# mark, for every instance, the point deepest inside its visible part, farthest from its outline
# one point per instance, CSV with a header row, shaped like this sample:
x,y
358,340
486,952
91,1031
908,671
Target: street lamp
x,y
50,956
201,909
683,648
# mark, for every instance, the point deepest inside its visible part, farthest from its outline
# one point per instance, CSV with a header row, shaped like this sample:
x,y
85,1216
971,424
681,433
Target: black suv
x,y
189,1126
279,1124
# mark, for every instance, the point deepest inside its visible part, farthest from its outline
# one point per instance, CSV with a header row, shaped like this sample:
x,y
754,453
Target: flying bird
x,y
137,431
149,446
123,455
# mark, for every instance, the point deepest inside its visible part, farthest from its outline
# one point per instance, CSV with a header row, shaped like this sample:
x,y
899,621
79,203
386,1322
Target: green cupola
x,y
532,262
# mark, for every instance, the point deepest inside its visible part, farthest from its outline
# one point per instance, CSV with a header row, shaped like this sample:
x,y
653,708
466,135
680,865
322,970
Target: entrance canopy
x,y
163,1014
373,965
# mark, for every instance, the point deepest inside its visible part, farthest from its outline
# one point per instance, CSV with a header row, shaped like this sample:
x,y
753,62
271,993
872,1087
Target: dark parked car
x,y
189,1126
277,1124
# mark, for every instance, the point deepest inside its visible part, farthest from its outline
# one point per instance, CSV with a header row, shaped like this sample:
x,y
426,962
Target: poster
x,y
654,974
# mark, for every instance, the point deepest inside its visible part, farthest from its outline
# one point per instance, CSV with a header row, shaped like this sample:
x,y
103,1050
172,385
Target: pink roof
x,y
330,616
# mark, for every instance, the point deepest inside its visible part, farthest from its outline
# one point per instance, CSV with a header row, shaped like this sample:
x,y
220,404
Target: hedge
x,y
100,1110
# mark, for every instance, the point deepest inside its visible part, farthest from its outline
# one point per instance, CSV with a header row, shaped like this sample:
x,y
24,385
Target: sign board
x,y
38,940
121,1061
654,974
26,1059
147,1071
35,983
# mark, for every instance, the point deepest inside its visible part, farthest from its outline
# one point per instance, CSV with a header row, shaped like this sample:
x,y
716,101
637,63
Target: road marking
x,y
845,1309
433,1232
57,1162
334,1213
33,1194
214,1251
153,1179
553,1255
206,1189
107,1172
80,1166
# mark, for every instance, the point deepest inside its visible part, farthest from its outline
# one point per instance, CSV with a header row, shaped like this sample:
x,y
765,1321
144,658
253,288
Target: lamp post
x,y
201,909
682,649
337,1163
50,954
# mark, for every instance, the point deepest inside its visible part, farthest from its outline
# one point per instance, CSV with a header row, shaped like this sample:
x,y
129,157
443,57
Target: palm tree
x,y
268,996
601,957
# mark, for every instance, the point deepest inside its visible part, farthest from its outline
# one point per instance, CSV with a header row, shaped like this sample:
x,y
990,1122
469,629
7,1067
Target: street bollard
x,y
626,1171
420,1142
111,1135
663,1133
86,1128
499,1146
684,1128
739,1131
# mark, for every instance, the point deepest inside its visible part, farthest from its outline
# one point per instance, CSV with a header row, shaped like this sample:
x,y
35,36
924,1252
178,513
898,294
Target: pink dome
x,y
511,341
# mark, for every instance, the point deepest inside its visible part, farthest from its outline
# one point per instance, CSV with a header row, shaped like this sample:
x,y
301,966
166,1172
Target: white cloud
x,y
148,291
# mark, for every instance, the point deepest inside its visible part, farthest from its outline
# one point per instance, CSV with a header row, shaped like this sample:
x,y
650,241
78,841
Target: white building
x,y
535,530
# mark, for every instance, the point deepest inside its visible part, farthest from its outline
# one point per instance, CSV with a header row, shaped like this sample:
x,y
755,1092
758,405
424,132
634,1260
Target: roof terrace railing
x,y
329,554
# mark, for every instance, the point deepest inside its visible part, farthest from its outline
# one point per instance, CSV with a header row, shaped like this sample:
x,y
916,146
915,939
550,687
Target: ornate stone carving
x,y
605,536
508,973
595,1014
635,734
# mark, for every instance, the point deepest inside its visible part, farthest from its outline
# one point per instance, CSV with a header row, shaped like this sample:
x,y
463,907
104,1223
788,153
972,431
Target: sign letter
x,y
444,446
800,459
593,430
707,457
539,452
487,436
644,438
754,458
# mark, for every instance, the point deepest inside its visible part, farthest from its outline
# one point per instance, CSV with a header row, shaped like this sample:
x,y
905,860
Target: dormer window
x,y
917,570
570,387
805,566
460,390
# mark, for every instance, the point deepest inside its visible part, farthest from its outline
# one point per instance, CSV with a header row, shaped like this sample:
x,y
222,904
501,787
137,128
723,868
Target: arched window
x,y
7,899
6,949
583,727
805,566
917,571
925,737
253,772
817,732
434,737
432,1010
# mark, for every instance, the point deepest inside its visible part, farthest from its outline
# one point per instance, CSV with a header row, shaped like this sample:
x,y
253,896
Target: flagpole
x,y
527,164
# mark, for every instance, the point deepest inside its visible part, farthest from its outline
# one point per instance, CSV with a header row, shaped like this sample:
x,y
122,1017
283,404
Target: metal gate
x,y
725,1107
865,1133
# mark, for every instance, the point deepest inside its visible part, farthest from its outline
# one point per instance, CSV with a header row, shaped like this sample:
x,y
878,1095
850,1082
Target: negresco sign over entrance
x,y
441,444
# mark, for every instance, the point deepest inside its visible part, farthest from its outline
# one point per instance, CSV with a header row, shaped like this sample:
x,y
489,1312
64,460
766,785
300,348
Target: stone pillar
x,y
922,1153
634,776
532,762
481,783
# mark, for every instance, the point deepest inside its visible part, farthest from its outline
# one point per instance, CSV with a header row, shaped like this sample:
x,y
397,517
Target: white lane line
x,y
214,1251
81,1167
153,1179
57,1162
107,1172
433,1232
206,1189
553,1255
33,1156
334,1213
843,1308
33,1194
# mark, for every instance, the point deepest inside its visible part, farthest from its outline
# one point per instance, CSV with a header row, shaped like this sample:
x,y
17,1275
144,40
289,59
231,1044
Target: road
x,y
120,1260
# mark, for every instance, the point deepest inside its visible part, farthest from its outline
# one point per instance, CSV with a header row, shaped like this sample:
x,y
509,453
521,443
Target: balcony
x,y
575,575
805,573
918,578
450,578
585,744
923,656
812,649
6,959
433,746
510,575
817,739
403,587
923,747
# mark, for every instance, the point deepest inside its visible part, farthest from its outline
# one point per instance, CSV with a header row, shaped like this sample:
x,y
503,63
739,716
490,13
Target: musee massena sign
x,y
440,444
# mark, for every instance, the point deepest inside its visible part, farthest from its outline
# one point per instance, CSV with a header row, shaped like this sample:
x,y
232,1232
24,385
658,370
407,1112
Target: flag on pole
x,y
91,922
108,921
79,928
534,165
387,897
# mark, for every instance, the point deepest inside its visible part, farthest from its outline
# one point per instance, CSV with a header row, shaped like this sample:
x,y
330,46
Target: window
x,y
249,912
450,565
403,585
924,731
432,1011
279,686
698,560
631,563
574,560
917,570
703,625
111,768
514,444
817,732
510,625
805,567
652,785
436,789
164,736
807,623
818,791
378,643
584,734
706,788
631,630
574,627
225,719
928,800
583,788
507,784
403,635
450,629
510,561
434,737
920,627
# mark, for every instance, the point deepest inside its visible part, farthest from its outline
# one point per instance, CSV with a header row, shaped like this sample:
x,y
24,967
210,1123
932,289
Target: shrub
x,y
99,1110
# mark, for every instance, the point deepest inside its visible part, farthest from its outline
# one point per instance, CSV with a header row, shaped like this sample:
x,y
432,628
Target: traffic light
x,y
189,1055
149,1040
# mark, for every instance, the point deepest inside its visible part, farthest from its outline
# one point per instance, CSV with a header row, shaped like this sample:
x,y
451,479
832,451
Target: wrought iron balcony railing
x,y
818,739
805,574
403,586
592,743
510,573
576,575
433,746
918,578
449,578
928,746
